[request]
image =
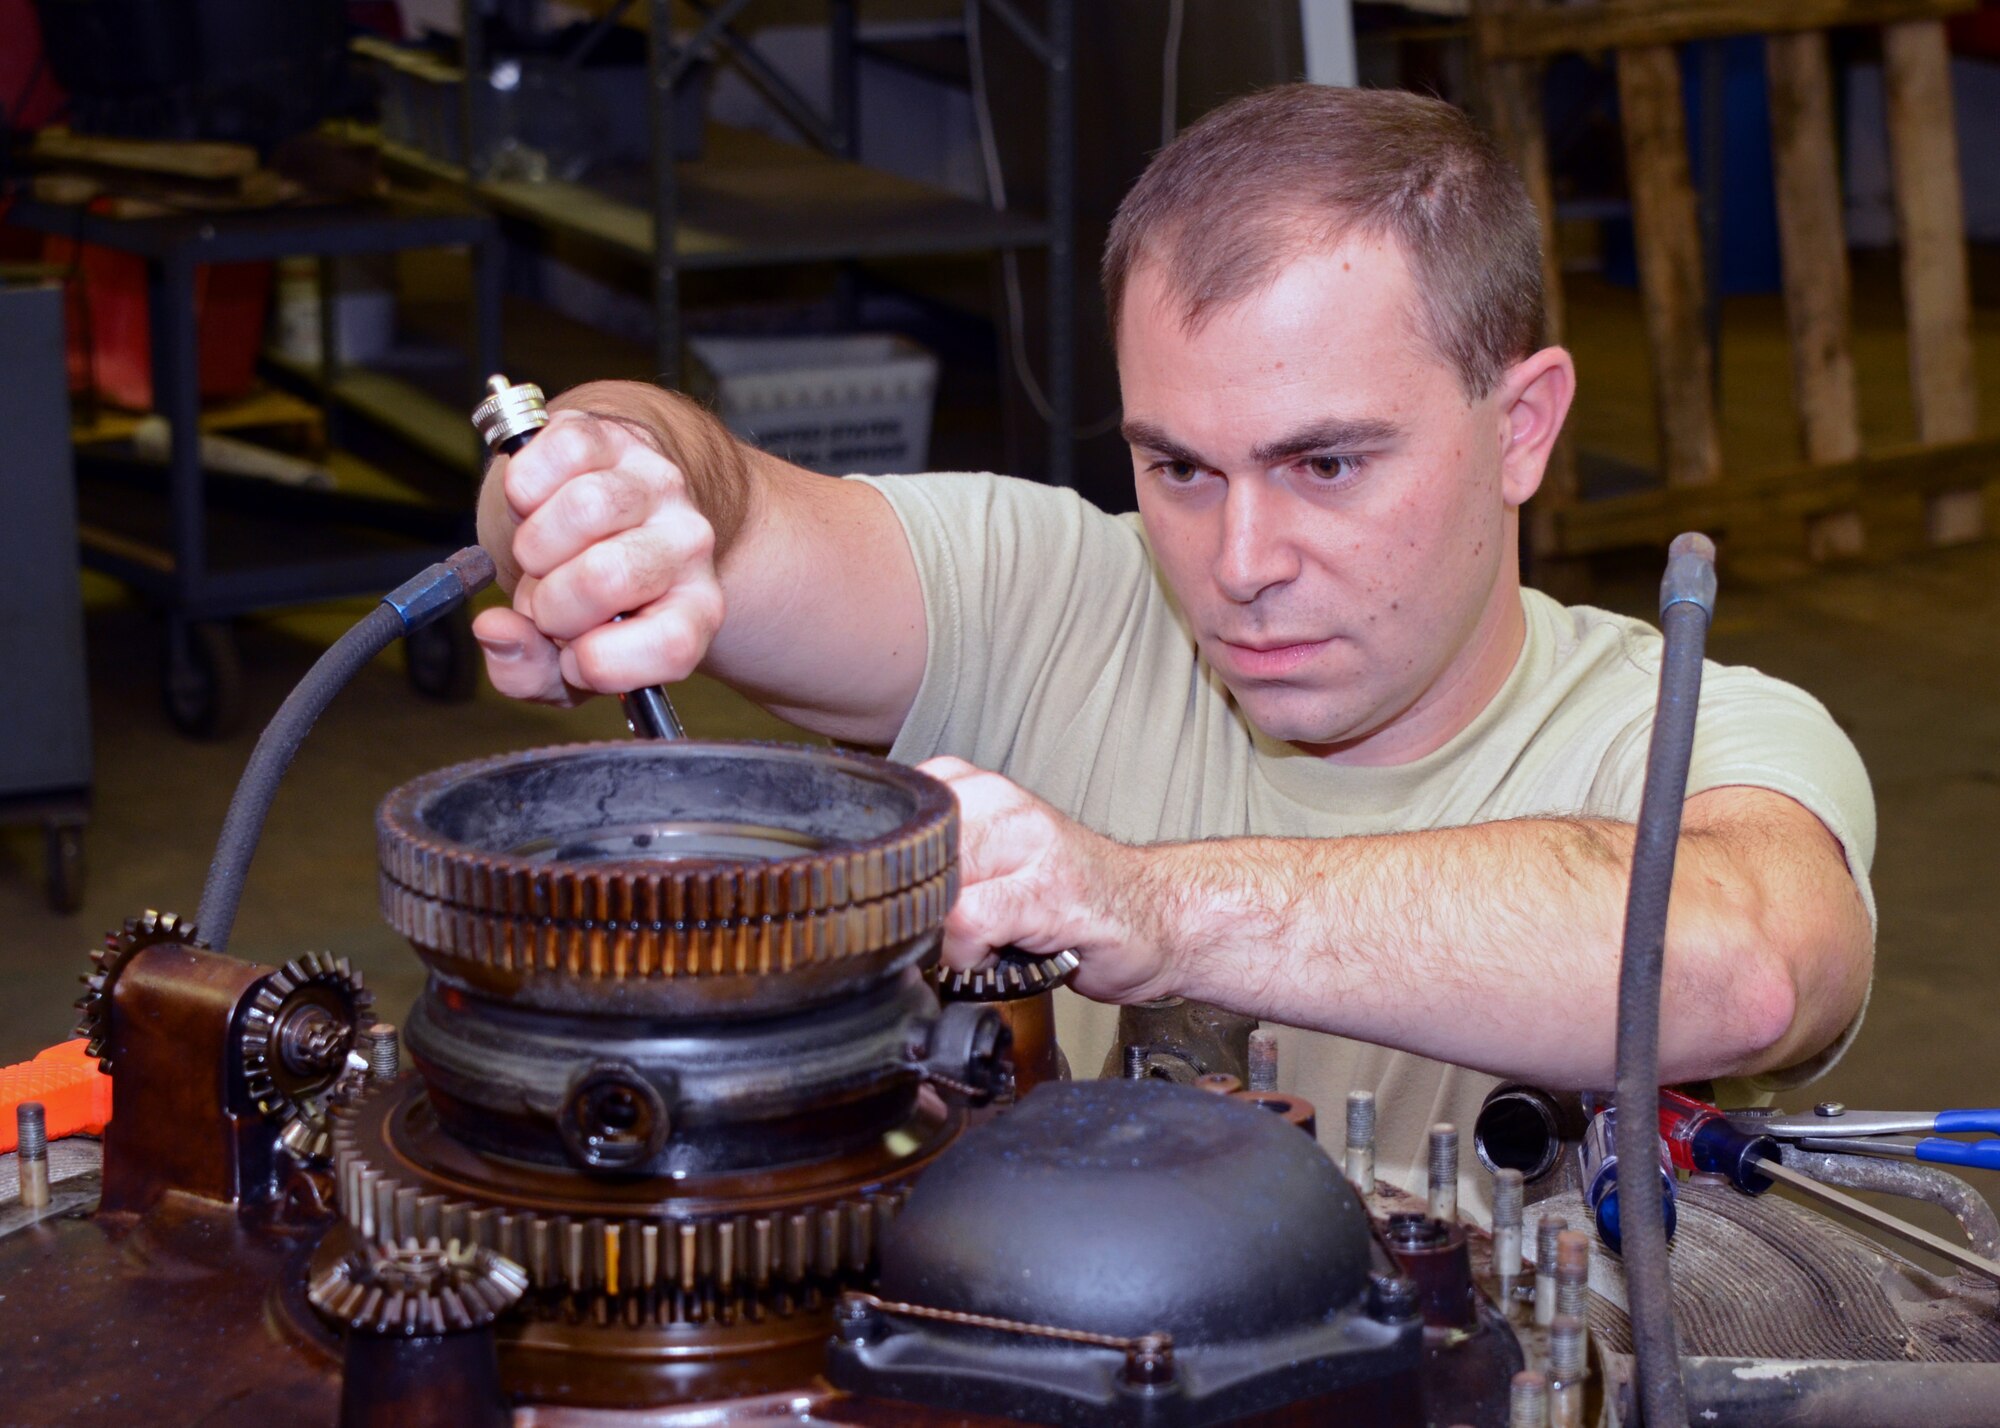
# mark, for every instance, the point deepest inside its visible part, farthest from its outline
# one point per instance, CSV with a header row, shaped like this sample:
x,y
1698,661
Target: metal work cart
x,y
757,202
335,544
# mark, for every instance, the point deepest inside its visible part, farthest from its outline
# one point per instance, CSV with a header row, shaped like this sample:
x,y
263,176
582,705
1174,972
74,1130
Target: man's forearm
x,y
1497,946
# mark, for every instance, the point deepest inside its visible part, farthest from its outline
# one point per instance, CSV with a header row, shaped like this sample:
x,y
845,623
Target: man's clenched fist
x,y
1035,879
605,528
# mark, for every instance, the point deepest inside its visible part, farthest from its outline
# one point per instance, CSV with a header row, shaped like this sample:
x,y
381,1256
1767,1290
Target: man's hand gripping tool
x,y
509,417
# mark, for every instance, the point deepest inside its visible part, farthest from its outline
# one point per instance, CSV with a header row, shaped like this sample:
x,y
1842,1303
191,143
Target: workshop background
x,y
259,259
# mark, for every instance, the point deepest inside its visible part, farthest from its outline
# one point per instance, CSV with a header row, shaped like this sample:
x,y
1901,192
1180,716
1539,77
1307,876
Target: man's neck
x,y
1456,697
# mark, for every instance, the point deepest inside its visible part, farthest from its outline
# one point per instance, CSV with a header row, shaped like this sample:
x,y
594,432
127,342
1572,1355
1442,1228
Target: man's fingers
x,y
571,444
986,916
589,508
660,644
521,661
623,573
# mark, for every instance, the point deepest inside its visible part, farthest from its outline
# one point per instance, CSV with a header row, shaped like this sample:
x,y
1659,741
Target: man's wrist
x,y
1150,916
710,459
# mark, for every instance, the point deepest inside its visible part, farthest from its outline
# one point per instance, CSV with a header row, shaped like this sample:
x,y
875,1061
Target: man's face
x,y
1321,496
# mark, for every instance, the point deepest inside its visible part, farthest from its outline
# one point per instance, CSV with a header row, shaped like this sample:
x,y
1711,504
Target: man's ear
x,y
1534,398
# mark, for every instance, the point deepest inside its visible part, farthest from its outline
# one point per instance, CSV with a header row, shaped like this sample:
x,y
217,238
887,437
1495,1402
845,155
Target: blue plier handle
x,y
1970,1154
1912,1135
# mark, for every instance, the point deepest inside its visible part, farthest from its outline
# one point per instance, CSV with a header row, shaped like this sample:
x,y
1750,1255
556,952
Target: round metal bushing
x,y
716,1095
669,879
613,1118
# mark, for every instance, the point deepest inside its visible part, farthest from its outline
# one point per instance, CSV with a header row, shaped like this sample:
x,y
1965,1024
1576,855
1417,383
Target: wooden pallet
x,y
1822,499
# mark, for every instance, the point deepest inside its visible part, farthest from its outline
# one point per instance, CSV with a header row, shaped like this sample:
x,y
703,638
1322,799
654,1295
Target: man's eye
x,y
1178,471
1332,468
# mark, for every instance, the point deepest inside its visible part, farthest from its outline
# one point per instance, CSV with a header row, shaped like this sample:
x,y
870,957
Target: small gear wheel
x,y
119,948
410,1288
1010,976
297,1041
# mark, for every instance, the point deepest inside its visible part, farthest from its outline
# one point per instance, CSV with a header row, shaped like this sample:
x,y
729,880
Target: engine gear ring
x,y
1010,976
665,878
152,930
649,1249
297,1031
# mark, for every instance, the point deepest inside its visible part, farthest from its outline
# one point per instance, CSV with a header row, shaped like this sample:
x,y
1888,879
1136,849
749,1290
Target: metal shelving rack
x,y
754,201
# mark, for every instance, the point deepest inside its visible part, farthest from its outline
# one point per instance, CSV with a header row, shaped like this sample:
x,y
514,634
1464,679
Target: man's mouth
x,y
1266,659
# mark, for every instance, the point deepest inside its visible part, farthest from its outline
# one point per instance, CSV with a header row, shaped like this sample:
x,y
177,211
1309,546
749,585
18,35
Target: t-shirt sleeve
x,y
1759,732
1028,592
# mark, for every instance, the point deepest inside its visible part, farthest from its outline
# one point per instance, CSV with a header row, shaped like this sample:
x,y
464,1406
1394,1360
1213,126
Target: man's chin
x,y
1295,718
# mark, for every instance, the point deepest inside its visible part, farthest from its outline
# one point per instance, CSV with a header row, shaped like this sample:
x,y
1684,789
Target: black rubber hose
x,y
1687,601
415,603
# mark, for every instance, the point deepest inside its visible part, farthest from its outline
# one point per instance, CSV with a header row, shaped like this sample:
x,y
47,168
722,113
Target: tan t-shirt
x,y
1058,658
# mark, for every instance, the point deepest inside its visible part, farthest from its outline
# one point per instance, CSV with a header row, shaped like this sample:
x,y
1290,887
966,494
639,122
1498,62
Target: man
x,y
1294,741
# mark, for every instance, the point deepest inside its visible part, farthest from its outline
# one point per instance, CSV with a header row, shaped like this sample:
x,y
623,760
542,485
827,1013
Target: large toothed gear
x,y
120,947
641,1251
410,1288
297,1037
1011,976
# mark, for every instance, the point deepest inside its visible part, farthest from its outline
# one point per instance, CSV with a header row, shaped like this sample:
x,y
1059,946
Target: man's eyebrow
x,y
1329,434
1155,438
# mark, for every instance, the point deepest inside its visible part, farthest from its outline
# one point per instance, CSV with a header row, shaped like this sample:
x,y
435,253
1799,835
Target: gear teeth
x,y
507,922
633,1267
304,1119
1013,975
409,1288
94,1006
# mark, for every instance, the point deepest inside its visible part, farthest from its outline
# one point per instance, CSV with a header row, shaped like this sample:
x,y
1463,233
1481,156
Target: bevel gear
x,y
1012,975
120,947
296,1041
412,1288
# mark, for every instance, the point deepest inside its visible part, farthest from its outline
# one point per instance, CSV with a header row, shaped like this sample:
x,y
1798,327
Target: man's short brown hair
x,y
1278,173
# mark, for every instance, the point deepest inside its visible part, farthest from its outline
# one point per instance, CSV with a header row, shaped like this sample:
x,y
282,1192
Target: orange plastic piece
x,y
75,1095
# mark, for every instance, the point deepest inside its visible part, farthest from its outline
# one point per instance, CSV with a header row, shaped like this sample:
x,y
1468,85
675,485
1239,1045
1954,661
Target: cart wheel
x,y
203,685
442,659
63,852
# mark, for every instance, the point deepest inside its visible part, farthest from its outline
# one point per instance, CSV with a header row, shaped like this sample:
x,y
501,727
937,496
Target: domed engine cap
x,y
1128,1211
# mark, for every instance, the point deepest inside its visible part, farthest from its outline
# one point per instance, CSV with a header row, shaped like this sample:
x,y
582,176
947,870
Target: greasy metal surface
x,y
1766,1393
1202,1038
1957,1254
108,963
441,1381
1132,1208
1765,1277
559,877
176,1124
1031,1024
779,1089
159,1319
1435,1255
1928,1183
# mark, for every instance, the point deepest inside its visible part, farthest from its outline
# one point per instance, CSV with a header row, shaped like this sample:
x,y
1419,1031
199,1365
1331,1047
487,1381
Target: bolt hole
x,y
617,1110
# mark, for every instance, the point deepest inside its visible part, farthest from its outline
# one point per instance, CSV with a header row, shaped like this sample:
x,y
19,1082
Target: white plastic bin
x,y
841,405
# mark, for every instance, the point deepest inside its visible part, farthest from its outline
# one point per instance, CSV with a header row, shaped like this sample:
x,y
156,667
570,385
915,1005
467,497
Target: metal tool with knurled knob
x,y
509,417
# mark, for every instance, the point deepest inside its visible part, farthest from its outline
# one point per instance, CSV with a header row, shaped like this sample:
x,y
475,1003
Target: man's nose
x,y
1257,549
